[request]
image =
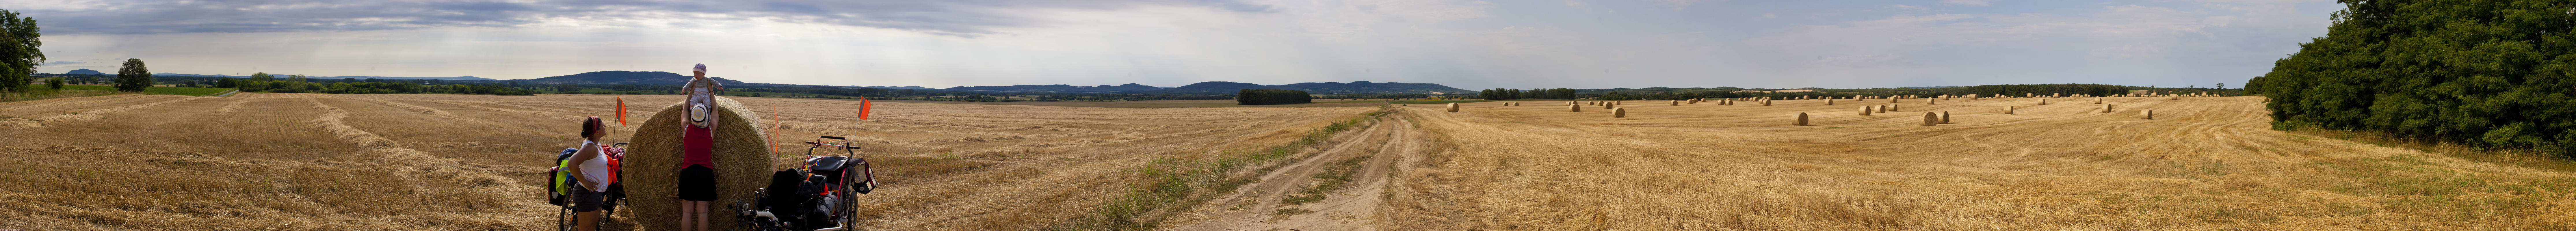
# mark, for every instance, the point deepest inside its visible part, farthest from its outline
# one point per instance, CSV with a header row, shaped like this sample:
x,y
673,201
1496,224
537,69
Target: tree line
x,y
2494,74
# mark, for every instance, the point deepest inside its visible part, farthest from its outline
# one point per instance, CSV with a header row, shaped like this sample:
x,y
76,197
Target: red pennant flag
x,y
621,111
864,104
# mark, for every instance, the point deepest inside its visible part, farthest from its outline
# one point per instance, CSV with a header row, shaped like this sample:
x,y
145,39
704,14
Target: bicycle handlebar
x,y
832,145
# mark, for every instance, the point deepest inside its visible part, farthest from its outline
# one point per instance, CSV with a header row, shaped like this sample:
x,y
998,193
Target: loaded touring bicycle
x,y
815,197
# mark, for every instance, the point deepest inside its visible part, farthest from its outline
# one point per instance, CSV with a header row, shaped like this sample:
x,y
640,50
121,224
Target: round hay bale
x,y
1574,108
1880,108
1453,107
2043,101
1930,119
1931,101
1766,102
2150,113
743,163
1945,117
2097,100
1891,107
1608,106
1802,120
2008,110
1863,111
1619,113
2106,108
1829,102
1677,103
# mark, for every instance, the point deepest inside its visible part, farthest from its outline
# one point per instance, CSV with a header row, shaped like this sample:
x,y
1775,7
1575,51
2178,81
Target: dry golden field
x,y
469,162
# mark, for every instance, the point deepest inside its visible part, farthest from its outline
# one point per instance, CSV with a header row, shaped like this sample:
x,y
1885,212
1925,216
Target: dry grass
x,y
2213,166
471,162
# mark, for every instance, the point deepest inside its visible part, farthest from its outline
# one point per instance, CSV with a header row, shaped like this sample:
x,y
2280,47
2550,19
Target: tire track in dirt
x,y
415,164
86,115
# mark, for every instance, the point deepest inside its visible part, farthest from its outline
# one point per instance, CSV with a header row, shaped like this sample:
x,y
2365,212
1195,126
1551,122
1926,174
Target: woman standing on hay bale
x,y
697,151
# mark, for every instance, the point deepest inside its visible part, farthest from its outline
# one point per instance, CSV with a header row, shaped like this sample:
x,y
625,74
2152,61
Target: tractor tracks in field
x,y
409,163
1262,205
85,115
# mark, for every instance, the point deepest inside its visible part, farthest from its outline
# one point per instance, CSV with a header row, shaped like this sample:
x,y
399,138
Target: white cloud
x,y
1968,2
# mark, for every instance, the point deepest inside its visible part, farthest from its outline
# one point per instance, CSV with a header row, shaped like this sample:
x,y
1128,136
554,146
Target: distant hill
x,y
84,71
628,77
1219,87
1061,88
1360,87
891,87
283,76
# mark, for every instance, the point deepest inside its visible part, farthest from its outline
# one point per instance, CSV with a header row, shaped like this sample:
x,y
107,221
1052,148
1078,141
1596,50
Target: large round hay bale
x,y
1864,110
1945,117
1574,108
1619,113
1802,120
1930,119
1453,107
653,165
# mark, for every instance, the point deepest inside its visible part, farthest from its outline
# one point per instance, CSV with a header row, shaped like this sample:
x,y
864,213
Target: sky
x,y
1591,44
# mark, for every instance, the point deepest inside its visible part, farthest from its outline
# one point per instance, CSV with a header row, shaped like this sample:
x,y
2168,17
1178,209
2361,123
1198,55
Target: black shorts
x,y
697,183
584,200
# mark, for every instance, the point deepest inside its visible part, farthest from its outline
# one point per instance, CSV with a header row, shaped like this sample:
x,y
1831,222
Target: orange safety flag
x,y
621,111
864,104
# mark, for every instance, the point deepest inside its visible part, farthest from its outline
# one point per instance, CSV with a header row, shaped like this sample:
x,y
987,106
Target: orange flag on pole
x,y
621,111
773,130
864,104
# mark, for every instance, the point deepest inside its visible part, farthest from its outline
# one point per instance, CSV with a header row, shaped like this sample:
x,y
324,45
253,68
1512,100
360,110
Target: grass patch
x,y
1284,213
1334,177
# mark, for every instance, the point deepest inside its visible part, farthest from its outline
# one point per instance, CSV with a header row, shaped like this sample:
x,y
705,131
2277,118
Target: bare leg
x,y
586,221
702,214
684,214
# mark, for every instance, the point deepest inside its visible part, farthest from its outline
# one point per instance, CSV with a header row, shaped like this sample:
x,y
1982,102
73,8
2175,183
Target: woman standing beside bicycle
x,y
590,168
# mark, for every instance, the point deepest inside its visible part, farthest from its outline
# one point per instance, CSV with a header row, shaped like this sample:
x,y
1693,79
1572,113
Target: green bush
x,y
1271,97
2494,74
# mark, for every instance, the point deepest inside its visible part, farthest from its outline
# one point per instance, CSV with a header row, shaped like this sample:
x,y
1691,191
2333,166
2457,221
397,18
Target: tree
x,y
56,83
18,53
296,77
133,77
2493,74
226,82
262,77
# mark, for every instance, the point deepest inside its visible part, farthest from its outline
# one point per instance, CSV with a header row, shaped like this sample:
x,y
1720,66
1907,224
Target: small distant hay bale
x,y
1608,106
1863,111
1829,102
1574,108
1880,108
1801,120
1931,101
1945,117
2106,108
1766,102
1891,107
2043,101
742,161
1619,113
2149,113
1677,103
1930,119
2097,100
2008,110
1453,107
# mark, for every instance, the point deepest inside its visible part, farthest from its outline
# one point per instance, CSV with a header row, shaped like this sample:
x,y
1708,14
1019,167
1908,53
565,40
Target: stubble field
x,y
463,162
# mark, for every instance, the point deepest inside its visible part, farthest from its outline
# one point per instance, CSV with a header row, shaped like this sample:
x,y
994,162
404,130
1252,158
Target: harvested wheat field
x,y
2204,163
469,162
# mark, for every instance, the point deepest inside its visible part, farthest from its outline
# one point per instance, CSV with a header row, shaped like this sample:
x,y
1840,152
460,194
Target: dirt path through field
x,y
1257,206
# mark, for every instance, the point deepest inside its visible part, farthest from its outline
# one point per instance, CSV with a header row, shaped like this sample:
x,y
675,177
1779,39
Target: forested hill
x,y
627,77
2487,73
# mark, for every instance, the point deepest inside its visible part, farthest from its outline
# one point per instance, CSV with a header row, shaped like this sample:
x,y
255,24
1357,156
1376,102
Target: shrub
x,y
1271,97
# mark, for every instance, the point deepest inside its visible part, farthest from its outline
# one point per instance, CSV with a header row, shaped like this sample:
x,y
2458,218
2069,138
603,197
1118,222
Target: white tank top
x,y
596,169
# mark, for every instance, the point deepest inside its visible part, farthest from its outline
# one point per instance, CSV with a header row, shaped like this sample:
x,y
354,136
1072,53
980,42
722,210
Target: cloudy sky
x,y
1464,44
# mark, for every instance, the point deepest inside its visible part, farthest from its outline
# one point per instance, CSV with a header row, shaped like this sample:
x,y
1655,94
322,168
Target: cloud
x,y
1911,7
62,62
2114,44
965,18
1675,4
1967,2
